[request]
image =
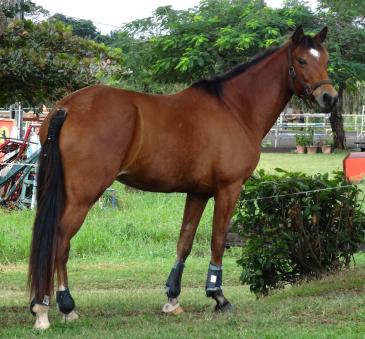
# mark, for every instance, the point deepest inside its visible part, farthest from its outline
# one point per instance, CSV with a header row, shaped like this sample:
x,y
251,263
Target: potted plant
x,y
311,146
326,144
301,140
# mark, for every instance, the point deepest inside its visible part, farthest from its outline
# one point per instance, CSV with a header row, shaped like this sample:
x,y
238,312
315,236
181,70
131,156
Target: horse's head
x,y
308,61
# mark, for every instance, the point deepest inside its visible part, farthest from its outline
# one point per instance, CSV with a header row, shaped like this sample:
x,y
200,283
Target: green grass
x,y
308,163
120,261
148,219
124,299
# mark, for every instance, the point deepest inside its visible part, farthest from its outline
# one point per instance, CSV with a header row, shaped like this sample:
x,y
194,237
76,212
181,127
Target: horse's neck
x,y
259,94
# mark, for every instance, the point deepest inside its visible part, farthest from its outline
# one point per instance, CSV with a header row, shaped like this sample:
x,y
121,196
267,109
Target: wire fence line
x,y
297,193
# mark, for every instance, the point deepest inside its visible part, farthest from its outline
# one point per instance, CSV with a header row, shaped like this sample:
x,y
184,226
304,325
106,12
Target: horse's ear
x,y
298,35
321,35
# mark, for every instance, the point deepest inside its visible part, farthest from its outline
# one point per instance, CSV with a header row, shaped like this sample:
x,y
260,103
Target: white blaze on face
x,y
314,52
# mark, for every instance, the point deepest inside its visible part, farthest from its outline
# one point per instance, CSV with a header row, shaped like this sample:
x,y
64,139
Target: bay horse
x,y
203,141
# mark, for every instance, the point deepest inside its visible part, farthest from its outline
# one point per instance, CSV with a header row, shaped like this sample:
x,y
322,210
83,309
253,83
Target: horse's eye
x,y
302,61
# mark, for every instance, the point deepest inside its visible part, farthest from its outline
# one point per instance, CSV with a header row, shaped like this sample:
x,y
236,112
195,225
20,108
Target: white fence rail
x,y
289,125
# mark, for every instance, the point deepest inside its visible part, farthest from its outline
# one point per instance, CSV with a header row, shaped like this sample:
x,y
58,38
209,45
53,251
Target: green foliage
x,y
346,40
39,63
301,139
80,27
211,38
306,138
293,236
11,8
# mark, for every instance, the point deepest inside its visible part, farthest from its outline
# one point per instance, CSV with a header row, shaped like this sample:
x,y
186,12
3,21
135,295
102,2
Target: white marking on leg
x,y
187,226
61,288
122,172
314,52
41,322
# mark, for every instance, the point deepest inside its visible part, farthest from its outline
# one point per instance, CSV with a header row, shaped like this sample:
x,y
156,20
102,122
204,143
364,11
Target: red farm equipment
x,y
18,165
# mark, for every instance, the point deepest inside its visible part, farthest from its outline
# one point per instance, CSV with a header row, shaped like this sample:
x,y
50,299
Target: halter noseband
x,y
308,88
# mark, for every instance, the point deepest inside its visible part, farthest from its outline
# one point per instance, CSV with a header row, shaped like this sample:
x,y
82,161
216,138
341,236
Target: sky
x,y
115,12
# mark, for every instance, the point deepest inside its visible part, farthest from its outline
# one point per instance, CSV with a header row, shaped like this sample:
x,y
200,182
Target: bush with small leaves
x,y
292,236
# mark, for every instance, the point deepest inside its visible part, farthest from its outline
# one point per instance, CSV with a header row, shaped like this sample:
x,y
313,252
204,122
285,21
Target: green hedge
x,y
293,236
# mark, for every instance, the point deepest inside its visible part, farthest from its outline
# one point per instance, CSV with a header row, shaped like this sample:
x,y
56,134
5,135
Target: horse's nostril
x,y
327,99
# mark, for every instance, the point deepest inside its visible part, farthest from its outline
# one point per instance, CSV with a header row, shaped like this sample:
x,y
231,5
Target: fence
x,y
288,125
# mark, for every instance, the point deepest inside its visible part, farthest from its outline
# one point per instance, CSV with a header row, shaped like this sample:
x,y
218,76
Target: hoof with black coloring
x,y
226,307
32,304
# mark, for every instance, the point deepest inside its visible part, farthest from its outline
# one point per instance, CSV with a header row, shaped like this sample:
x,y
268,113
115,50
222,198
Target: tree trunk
x,y
336,119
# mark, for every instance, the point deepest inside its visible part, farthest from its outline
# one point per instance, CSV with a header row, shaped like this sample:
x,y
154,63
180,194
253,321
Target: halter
x,y
308,88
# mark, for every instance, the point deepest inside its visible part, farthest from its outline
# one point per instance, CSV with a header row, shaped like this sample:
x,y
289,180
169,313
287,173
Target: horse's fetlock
x,y
214,280
173,283
66,303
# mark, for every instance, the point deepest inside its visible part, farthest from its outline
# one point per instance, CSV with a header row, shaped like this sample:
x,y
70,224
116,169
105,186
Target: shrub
x,y
292,236
301,139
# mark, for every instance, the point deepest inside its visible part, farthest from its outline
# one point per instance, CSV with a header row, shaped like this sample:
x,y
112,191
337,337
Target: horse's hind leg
x,y
70,223
194,208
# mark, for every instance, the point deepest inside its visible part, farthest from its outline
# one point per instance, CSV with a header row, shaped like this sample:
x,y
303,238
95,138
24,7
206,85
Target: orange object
x,y
354,166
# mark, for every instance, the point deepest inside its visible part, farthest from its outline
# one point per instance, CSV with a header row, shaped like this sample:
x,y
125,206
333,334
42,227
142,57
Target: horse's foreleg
x,y
225,200
194,208
70,223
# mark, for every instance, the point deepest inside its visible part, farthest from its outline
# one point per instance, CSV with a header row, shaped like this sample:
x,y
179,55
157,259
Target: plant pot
x,y
326,149
301,149
312,149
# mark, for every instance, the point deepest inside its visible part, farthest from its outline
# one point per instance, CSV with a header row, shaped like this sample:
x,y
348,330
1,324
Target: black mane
x,y
214,86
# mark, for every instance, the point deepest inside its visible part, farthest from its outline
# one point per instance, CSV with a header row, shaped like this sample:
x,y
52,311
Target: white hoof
x,y
169,308
41,322
72,316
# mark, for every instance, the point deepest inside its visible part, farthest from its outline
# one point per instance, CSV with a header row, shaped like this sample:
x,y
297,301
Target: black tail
x,y
50,201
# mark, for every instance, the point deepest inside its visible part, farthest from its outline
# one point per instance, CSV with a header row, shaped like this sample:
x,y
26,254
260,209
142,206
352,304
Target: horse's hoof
x,y
41,312
226,307
42,322
41,326
72,316
172,309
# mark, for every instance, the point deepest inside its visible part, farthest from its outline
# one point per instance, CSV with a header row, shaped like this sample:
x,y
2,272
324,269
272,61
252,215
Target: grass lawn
x,y
120,261
308,163
120,299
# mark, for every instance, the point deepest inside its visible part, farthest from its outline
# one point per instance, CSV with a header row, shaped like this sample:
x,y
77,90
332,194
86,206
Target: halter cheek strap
x,y
307,96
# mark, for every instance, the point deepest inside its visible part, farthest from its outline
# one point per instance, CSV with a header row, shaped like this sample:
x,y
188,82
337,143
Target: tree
x,y
80,27
213,37
347,49
39,63
11,9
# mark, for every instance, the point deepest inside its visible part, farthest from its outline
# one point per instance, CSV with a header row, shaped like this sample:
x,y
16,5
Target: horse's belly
x,y
165,183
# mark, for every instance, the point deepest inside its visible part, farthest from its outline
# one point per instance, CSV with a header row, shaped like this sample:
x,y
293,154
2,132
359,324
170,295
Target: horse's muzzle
x,y
327,101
